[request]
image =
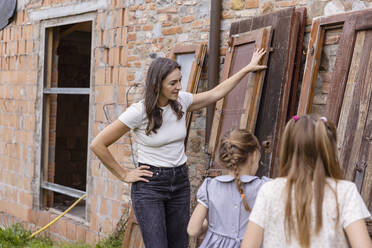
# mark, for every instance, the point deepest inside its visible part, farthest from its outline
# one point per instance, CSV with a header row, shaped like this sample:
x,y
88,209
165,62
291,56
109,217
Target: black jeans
x,y
162,207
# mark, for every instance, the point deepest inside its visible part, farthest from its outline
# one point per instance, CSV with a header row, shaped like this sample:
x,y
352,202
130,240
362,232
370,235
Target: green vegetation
x,y
16,236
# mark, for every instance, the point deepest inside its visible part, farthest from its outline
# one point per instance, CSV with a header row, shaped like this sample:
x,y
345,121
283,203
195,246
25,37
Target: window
x,y
65,116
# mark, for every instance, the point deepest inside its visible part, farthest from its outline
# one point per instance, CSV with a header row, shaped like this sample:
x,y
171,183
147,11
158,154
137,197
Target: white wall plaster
x,y
75,9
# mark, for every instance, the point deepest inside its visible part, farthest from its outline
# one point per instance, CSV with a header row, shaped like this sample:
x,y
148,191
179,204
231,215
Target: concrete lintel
x,y
76,9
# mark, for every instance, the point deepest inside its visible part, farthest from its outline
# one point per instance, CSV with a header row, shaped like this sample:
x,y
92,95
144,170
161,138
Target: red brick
x,y
170,10
81,233
284,4
171,31
122,76
61,226
116,210
108,75
250,4
167,24
147,27
25,198
123,56
94,222
100,75
100,115
132,37
91,237
71,230
29,46
187,19
115,75
108,226
197,24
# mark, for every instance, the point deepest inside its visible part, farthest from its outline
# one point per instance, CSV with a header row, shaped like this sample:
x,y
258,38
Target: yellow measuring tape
x,y
58,217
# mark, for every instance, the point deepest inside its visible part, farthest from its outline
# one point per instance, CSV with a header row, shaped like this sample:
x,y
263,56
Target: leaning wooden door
x,y
240,107
355,122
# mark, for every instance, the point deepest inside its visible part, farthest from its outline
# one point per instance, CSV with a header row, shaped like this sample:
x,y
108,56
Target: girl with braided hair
x,y
226,201
309,205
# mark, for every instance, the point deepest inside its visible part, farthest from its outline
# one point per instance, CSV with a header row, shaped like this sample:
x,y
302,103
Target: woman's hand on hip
x,y
137,174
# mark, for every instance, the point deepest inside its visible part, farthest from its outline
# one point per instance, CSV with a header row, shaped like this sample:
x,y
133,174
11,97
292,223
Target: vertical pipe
x,y
213,59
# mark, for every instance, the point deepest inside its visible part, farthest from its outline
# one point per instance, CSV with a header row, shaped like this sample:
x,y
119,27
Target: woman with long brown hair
x,y
160,189
309,205
225,202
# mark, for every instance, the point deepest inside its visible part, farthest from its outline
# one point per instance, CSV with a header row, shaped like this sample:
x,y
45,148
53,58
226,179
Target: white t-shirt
x,y
166,147
268,213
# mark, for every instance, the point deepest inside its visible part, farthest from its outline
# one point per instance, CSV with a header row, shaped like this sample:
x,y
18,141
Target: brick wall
x,y
124,35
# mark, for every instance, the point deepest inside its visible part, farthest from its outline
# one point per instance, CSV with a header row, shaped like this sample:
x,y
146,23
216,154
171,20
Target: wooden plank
x,y
253,96
302,13
230,112
311,68
352,118
341,68
282,107
194,83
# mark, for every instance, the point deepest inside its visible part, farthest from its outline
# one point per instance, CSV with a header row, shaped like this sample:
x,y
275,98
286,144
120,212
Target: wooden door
x,y
281,79
240,107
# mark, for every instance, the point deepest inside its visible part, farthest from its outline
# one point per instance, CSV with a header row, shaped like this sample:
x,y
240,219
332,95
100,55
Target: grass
x,y
16,236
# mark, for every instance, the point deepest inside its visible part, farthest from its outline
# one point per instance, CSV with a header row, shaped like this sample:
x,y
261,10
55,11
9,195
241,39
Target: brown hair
x,y
236,146
308,155
157,72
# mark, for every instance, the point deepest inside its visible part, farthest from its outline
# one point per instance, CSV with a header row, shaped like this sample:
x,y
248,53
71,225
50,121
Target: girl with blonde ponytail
x,y
309,205
225,202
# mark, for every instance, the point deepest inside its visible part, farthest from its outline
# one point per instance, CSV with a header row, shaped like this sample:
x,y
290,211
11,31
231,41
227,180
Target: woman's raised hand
x,y
137,174
256,57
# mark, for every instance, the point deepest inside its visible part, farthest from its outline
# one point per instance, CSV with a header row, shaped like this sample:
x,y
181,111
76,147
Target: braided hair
x,y
236,146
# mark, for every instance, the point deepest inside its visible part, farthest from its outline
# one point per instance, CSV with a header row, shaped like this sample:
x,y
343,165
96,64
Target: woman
x,y
161,191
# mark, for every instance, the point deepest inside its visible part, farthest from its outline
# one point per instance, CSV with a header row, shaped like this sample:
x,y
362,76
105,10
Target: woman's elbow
x,y
94,146
192,232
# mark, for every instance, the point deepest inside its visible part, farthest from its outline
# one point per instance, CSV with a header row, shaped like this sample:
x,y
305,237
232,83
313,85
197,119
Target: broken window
x,y
66,115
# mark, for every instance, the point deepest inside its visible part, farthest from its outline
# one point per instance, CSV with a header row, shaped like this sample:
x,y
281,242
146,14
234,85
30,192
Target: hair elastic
x,y
295,117
242,195
323,118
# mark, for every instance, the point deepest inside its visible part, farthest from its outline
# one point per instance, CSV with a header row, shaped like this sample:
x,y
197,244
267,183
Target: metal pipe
x,y
213,59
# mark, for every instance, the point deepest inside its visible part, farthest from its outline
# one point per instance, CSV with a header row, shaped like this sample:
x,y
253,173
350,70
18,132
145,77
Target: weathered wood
x,y
355,124
311,68
340,72
275,93
231,112
293,99
351,116
279,76
132,236
282,108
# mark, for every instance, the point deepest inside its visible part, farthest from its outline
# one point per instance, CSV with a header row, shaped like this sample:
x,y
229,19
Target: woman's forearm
x,y
226,86
104,154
